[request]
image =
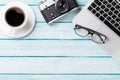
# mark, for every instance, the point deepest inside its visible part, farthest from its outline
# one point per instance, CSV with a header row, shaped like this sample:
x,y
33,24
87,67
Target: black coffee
x,y
15,17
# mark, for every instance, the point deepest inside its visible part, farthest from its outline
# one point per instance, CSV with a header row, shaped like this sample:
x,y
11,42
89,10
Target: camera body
x,y
54,9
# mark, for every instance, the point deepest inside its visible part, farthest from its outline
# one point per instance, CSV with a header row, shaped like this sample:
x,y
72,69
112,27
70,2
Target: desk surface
x,y
54,52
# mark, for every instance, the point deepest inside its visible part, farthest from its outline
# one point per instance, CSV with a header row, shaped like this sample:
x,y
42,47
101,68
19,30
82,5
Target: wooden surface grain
x,y
54,52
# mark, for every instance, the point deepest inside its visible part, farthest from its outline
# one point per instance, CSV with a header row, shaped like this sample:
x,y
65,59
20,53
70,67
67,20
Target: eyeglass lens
x,y
82,32
98,38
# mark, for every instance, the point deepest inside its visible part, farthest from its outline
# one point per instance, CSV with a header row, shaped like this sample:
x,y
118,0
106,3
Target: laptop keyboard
x,y
108,11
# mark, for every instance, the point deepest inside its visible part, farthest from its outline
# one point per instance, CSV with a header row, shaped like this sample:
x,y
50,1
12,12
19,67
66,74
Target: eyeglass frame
x,y
91,32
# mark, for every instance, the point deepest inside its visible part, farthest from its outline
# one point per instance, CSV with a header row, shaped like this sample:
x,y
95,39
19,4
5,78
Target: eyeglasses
x,y
95,36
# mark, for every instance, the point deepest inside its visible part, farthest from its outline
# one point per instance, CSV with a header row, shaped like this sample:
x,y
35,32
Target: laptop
x,y
103,16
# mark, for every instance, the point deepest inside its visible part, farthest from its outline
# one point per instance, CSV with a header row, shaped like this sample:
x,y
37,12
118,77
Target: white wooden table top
x,y
54,52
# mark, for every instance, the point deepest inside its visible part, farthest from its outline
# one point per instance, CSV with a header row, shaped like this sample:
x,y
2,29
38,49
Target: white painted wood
x,y
58,66
50,48
62,77
54,31
75,77
54,52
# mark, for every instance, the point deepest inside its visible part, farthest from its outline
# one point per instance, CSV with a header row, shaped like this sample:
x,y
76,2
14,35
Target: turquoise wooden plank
x,y
36,2
54,31
75,48
62,77
60,66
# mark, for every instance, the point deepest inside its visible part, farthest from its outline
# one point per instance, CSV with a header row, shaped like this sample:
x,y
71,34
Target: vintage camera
x,y
54,9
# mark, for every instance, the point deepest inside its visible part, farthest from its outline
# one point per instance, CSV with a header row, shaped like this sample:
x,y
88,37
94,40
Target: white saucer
x,y
17,32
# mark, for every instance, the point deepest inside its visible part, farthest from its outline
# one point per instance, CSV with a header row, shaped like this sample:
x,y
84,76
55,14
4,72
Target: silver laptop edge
x,y
87,19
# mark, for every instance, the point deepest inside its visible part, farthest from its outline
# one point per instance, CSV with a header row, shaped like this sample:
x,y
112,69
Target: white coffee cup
x,y
17,19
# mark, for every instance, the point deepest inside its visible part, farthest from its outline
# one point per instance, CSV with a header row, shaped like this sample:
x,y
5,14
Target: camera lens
x,y
62,6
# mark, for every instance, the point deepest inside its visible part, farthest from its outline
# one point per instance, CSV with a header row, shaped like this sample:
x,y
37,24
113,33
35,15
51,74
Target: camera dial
x,y
61,6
